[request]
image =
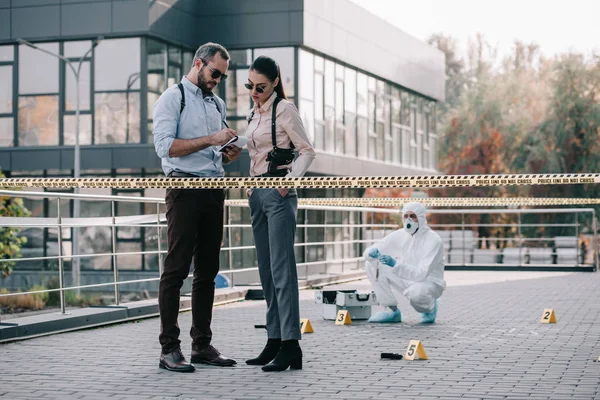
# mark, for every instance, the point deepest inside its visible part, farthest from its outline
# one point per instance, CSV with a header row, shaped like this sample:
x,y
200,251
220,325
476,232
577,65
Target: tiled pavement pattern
x,y
487,343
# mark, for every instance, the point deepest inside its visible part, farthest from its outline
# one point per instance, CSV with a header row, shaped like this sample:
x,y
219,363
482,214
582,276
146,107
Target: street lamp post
x,y
77,150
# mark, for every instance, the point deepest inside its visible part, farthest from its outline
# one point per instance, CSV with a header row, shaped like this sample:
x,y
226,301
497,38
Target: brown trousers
x,y
195,231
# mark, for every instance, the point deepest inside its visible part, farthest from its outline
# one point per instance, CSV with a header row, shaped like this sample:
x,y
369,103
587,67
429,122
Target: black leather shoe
x,y
211,356
175,361
289,356
268,353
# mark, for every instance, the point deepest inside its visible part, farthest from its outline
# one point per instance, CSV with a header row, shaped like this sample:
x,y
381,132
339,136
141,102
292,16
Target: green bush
x,y
10,242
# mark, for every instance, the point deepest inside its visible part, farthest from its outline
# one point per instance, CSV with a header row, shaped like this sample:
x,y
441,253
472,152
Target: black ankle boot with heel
x,y
268,353
289,356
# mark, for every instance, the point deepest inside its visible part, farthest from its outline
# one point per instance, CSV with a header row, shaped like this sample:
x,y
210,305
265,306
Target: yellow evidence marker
x,y
306,326
343,318
548,317
415,348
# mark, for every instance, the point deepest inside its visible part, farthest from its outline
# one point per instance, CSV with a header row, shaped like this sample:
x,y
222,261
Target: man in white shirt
x,y
411,261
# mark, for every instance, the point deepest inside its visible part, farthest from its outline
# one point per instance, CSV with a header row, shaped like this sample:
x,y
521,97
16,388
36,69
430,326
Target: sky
x,y
557,26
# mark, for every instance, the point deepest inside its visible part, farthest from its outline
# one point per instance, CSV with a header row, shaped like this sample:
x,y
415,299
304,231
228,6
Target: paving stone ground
x,y
488,343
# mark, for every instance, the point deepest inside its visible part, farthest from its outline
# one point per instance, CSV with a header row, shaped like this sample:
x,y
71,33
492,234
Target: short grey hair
x,y
208,50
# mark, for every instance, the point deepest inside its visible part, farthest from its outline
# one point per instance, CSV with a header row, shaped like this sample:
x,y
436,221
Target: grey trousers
x,y
274,228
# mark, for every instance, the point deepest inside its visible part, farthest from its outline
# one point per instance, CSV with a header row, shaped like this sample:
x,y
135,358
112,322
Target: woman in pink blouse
x,y
271,148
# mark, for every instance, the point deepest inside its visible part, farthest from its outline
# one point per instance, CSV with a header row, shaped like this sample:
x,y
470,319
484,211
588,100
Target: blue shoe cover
x,y
429,317
386,317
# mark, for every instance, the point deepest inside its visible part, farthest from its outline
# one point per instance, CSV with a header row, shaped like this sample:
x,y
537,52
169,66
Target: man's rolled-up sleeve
x,y
166,119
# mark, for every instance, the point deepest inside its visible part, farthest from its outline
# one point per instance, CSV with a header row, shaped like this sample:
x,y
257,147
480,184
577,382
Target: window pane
x,y
361,95
284,56
6,53
156,82
156,66
433,120
329,129
85,129
30,61
175,54
319,97
152,98
6,93
371,82
397,145
237,96
339,71
307,114
156,54
396,109
112,75
38,121
319,135
372,147
406,146
77,49
242,95
307,73
361,136
112,123
6,133
340,133
84,88
350,123
174,75
240,57
339,101
426,118
350,92
319,64
406,109
413,123
420,116
372,110
188,58
329,83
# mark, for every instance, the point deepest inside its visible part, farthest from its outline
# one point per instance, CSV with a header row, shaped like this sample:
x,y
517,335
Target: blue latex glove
x,y
374,253
387,260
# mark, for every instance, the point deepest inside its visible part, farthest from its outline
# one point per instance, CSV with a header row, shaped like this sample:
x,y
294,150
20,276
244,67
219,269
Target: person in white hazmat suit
x,y
411,261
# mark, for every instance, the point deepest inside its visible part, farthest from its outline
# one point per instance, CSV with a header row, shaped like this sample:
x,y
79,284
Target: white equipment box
x,y
357,304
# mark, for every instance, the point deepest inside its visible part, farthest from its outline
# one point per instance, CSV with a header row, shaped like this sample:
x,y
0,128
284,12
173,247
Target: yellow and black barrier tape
x,y
320,182
439,201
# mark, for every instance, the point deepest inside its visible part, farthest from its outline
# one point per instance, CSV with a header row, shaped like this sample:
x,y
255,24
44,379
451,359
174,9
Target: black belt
x,y
281,174
175,174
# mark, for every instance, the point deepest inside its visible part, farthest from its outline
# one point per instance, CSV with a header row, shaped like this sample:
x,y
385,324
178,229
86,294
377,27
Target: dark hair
x,y
268,67
208,50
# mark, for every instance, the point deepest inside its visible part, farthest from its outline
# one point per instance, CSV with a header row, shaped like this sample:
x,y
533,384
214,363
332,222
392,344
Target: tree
x,y
568,138
10,242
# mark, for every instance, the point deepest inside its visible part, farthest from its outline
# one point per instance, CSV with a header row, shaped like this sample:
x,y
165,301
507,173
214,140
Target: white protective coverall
x,y
419,270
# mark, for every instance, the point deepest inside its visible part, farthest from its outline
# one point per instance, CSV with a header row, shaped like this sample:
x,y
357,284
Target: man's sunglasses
x,y
259,89
216,74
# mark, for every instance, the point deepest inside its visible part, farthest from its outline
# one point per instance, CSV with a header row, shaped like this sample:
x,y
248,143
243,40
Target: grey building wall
x,y
341,165
232,23
342,29
53,19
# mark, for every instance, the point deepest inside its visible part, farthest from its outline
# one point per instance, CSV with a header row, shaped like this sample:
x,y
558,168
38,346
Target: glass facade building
x,y
366,91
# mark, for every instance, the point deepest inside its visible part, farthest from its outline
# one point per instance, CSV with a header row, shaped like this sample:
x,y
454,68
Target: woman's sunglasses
x,y
216,74
259,89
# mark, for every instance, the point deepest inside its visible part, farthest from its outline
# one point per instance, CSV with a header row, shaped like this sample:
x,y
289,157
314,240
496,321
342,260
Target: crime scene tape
x,y
438,201
321,182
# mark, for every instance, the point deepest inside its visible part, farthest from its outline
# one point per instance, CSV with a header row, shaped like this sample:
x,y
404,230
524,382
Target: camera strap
x,y
273,117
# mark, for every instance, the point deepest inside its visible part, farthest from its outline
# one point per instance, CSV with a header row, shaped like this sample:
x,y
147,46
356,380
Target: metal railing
x,y
157,221
344,231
